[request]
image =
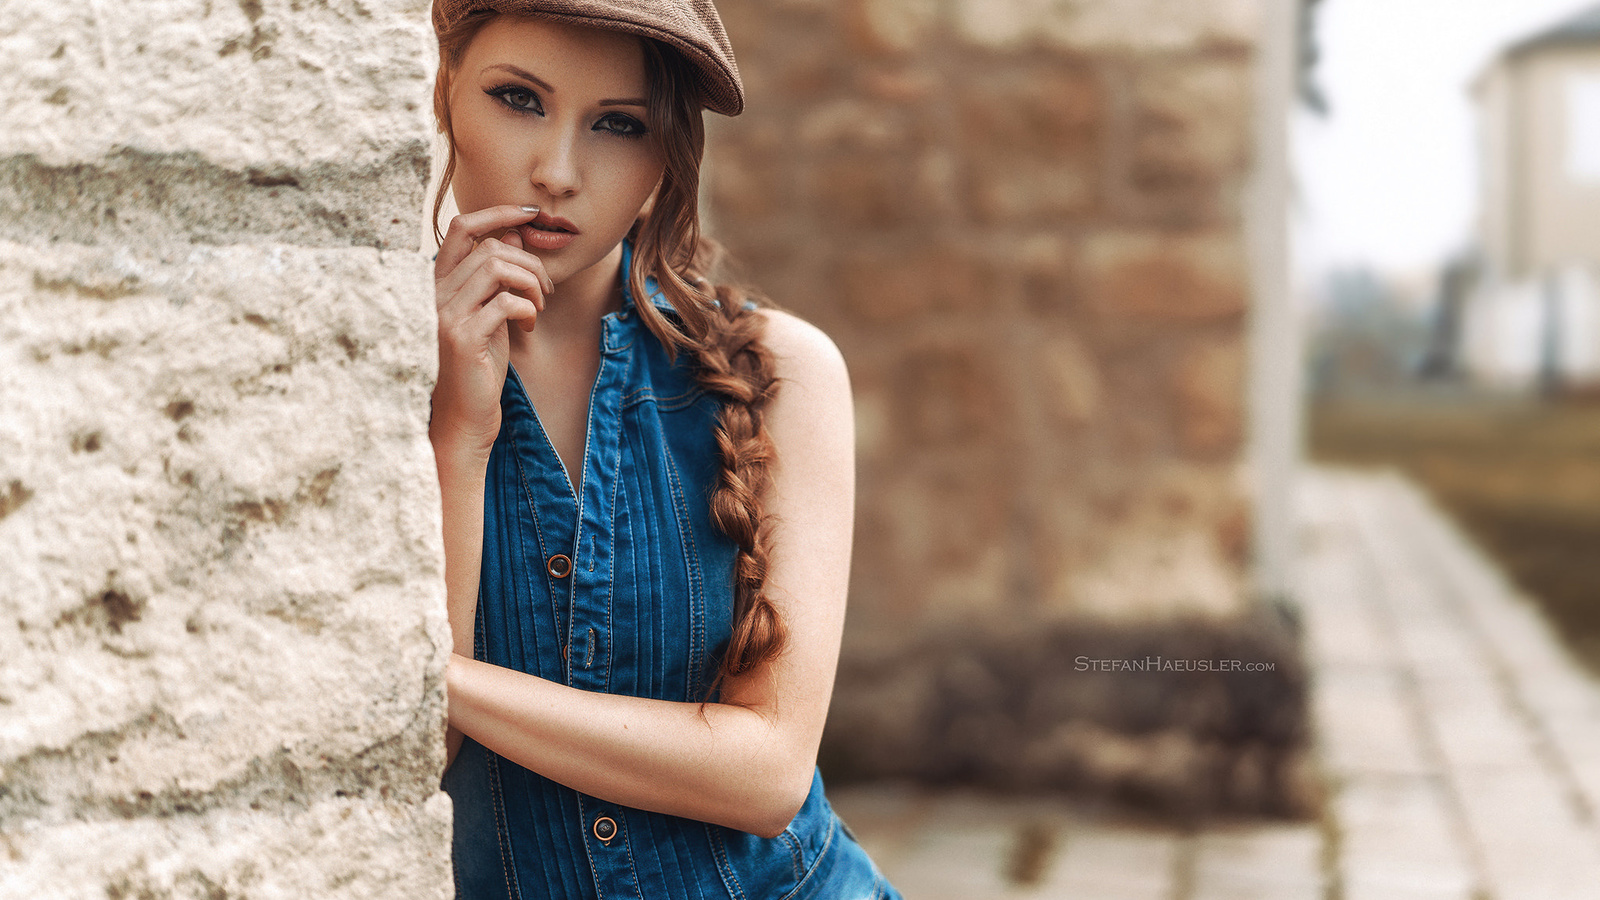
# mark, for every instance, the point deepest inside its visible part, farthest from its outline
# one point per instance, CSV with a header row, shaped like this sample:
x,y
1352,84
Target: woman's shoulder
x,y
801,351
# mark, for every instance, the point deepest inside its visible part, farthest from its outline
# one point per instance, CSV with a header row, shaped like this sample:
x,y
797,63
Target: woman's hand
x,y
481,284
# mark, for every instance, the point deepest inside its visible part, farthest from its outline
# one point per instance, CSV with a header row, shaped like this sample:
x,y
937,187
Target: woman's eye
x,y
621,125
518,98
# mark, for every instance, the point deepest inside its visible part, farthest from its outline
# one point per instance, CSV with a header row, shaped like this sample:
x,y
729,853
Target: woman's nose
x,y
555,163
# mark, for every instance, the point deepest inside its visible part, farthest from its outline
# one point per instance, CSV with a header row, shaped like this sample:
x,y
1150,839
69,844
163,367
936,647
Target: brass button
x,y
559,566
605,828
563,651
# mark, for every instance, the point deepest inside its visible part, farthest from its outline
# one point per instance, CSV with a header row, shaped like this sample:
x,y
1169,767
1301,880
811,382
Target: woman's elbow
x,y
782,805
774,822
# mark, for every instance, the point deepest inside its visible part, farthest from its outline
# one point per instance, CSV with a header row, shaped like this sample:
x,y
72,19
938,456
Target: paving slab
x,y
1271,862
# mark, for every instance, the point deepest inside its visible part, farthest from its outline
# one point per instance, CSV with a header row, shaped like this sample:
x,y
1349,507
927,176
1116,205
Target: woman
x,y
647,482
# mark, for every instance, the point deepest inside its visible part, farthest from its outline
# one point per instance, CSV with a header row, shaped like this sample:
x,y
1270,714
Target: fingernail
x,y
530,210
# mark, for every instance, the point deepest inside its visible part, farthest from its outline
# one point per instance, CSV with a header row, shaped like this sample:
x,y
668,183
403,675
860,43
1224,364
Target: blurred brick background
x,y
1025,225
1022,223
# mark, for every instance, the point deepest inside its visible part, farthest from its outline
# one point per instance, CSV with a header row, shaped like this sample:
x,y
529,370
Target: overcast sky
x,y
1389,177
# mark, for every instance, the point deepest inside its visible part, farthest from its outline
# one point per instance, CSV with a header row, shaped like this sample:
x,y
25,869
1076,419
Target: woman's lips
x,y
546,222
547,232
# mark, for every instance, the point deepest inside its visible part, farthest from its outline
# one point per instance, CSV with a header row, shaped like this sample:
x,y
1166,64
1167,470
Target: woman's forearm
x,y
461,481
717,763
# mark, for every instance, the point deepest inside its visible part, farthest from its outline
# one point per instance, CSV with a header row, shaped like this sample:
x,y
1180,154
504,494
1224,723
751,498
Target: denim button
x,y
559,566
605,828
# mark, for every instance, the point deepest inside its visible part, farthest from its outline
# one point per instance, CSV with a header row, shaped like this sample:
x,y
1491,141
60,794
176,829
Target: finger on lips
x,y
469,229
494,263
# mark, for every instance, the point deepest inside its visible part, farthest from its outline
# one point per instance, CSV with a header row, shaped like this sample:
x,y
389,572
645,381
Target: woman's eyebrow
x,y
520,73
523,73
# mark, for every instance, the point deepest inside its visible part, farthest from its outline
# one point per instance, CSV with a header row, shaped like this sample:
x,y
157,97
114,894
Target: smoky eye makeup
x,y
517,98
621,125
523,100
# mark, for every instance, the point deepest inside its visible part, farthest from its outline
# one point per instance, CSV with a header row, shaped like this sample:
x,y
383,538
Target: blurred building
x,y
1367,336
1535,318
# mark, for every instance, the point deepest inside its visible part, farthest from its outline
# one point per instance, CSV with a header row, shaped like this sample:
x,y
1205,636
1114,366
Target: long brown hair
x,y
716,326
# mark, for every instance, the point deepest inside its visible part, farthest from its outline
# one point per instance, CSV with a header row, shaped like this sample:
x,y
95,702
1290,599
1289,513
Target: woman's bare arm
x,y
745,762
475,278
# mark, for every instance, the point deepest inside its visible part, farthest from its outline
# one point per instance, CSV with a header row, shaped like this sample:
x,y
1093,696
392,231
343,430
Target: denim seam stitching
x,y
666,404
611,582
796,858
588,853
827,844
578,491
538,531
730,882
508,869
633,873
697,617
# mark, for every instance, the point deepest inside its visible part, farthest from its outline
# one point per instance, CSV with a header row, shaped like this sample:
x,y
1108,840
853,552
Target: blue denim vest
x,y
624,588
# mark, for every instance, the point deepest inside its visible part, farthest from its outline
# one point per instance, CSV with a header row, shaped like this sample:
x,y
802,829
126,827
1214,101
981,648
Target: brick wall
x,y
1022,223
1025,224
220,570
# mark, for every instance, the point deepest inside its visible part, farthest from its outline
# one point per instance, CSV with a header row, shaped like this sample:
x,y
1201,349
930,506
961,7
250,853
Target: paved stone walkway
x,y
1460,743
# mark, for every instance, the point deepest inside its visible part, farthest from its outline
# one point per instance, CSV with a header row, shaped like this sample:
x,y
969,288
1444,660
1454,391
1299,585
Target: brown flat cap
x,y
690,26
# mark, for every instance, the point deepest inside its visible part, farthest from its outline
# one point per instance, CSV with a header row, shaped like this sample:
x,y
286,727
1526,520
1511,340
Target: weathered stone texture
x,y
131,198
222,591
332,848
221,597
245,82
213,121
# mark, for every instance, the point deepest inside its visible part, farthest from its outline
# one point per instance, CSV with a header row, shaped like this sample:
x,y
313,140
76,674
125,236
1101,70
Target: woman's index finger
x,y
467,229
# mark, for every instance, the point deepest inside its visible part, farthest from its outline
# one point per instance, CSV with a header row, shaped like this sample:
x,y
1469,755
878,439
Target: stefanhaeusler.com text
x,y
1170,664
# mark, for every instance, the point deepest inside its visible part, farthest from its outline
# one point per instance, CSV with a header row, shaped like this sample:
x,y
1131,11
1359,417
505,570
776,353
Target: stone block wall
x,y
220,574
1022,222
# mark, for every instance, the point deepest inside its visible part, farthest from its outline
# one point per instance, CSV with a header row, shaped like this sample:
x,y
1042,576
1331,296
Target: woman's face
x,y
554,116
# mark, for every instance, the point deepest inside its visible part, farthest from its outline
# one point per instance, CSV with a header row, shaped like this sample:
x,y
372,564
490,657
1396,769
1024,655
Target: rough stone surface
x,y
213,121
133,198
246,83
221,594
332,848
